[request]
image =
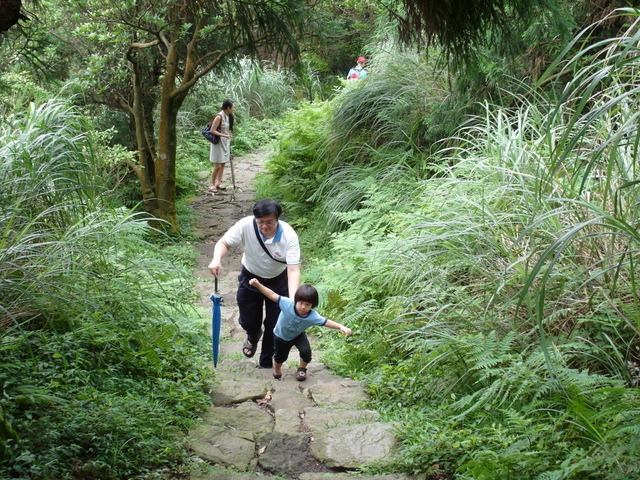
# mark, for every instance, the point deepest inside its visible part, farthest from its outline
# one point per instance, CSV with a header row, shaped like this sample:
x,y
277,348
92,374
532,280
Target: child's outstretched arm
x,y
337,326
266,291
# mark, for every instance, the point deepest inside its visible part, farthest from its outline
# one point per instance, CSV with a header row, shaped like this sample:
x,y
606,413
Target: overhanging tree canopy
x,y
10,14
459,25
144,57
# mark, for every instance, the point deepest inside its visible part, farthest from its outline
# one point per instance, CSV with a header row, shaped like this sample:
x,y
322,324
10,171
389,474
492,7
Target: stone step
x,y
282,440
355,476
222,475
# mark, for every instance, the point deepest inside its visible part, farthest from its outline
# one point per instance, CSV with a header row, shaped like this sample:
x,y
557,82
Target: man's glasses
x,y
266,223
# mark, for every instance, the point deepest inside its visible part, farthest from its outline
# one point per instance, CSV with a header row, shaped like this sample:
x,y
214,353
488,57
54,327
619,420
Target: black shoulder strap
x,y
264,247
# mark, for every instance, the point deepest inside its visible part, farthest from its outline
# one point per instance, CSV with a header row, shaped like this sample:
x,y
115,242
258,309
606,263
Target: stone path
x,y
257,426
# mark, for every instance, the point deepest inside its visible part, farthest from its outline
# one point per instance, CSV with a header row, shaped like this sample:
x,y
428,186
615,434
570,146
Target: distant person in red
x,y
358,71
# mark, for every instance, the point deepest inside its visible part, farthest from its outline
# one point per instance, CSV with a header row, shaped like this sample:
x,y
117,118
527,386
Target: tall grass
x,y
370,126
493,292
405,103
260,90
101,365
263,93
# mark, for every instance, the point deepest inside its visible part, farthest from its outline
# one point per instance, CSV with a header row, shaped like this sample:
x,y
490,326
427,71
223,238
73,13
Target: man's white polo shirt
x,y
284,246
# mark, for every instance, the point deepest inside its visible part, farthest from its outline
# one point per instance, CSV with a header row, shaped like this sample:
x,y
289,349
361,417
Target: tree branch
x,y
145,45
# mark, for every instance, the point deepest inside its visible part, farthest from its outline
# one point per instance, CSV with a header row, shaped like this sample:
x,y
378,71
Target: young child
x,y
295,317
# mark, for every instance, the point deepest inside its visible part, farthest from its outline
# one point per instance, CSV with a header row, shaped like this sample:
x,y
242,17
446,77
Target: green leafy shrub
x,y
100,397
102,363
298,165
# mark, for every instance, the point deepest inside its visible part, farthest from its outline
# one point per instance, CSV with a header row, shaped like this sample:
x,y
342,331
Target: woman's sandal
x,y
221,187
277,376
301,374
247,346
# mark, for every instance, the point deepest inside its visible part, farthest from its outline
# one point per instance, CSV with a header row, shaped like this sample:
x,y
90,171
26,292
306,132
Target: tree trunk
x,y
156,169
165,165
145,167
156,166
10,14
165,204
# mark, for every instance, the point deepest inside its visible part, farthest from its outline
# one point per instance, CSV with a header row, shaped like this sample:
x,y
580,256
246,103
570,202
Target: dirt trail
x,y
311,430
215,214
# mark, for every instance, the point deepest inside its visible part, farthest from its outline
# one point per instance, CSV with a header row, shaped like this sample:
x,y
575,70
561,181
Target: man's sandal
x,y
277,376
247,346
301,374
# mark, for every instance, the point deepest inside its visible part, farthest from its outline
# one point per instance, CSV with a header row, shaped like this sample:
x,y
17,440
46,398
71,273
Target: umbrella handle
x,y
216,278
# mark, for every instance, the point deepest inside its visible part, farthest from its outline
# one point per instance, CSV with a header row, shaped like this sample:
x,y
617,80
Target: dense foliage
x,y
473,220
491,283
102,367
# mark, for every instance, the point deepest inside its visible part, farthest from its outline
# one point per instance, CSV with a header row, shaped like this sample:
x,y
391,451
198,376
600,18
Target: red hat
x,y
361,60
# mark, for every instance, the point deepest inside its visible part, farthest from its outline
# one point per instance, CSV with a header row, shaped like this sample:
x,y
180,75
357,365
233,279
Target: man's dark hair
x,y
306,293
266,207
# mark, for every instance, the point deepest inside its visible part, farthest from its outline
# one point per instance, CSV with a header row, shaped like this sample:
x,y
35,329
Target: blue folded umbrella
x,y
216,320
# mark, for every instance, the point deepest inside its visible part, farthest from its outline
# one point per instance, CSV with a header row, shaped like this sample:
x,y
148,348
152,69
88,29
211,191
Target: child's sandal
x,y
301,374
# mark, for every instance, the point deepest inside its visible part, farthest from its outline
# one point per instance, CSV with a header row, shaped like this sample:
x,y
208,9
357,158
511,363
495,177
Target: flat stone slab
x,y
288,421
231,349
218,475
233,391
286,455
288,396
237,368
223,447
355,476
317,418
353,446
343,393
246,417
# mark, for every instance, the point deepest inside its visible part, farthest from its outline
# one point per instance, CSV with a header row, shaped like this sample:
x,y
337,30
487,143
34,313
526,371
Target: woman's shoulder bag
x,y
206,131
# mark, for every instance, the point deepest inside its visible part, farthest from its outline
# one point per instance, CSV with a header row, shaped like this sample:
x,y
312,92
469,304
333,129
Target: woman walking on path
x,y
220,153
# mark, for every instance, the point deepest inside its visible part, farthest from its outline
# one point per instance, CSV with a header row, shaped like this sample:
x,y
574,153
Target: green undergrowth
x,y
103,357
106,400
490,285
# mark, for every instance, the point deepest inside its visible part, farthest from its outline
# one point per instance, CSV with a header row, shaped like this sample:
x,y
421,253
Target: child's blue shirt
x,y
290,325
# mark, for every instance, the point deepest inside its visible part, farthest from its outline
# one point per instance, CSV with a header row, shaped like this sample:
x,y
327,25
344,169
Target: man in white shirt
x,y
272,255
